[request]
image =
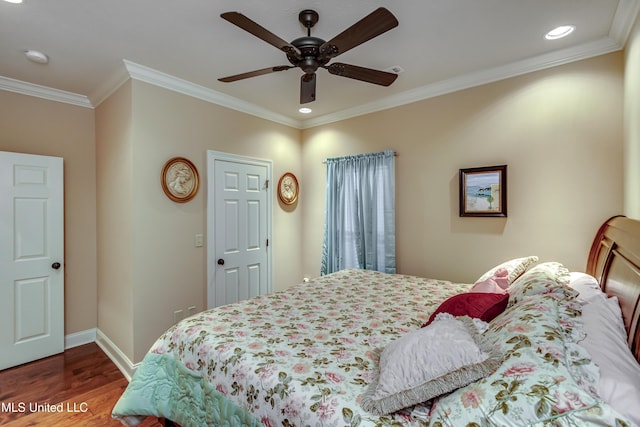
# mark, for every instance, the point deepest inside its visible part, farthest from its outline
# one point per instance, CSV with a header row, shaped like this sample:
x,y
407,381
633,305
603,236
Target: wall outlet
x,y
178,315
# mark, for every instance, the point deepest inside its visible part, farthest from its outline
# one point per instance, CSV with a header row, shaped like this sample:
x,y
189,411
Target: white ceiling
x,y
442,46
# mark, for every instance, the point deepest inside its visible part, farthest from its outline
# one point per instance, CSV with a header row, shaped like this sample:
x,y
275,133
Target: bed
x,y
531,342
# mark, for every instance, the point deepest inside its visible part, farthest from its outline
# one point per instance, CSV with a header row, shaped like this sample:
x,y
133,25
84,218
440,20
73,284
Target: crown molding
x,y
549,60
615,42
108,87
466,81
623,21
30,89
169,82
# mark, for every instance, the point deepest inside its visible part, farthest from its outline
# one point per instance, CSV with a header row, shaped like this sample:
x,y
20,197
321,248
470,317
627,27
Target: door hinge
x,y
267,242
266,184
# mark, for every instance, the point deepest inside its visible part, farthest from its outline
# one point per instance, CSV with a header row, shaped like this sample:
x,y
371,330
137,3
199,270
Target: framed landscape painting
x,y
483,191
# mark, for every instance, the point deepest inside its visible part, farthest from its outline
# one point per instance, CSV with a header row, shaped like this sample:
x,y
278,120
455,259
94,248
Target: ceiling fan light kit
x,y
309,53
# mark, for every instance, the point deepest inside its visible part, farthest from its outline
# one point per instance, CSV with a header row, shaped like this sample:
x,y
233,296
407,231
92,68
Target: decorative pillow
x,y
428,362
514,267
478,305
546,278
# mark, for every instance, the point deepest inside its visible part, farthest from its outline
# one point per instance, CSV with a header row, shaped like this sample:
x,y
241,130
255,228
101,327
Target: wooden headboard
x,y
614,260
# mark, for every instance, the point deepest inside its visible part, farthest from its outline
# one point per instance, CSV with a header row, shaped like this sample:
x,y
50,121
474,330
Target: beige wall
x,y
632,124
115,175
560,133
167,272
37,126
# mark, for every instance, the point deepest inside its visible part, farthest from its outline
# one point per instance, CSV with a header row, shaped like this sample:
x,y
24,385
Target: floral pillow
x,y
515,267
546,278
428,362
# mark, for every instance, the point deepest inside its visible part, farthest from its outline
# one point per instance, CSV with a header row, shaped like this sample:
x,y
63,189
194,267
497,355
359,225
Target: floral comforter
x,y
296,358
305,357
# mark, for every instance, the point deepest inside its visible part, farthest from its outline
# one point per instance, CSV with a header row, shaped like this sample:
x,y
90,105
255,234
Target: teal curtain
x,y
359,225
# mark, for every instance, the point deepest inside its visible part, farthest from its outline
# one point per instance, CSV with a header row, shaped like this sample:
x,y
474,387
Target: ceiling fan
x,y
310,53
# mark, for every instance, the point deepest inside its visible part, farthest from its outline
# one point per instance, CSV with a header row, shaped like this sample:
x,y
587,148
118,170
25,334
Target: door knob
x,y
220,261
55,265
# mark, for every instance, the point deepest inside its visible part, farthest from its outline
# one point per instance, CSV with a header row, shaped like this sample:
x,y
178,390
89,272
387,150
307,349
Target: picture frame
x,y
483,191
288,188
180,180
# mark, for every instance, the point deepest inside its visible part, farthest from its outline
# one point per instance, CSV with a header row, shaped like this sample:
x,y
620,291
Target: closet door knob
x,y
220,261
56,265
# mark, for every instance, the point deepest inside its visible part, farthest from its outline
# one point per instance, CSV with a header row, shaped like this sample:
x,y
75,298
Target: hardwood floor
x,y
82,382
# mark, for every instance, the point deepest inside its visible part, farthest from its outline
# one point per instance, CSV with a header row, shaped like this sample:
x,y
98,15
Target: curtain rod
x,y
395,154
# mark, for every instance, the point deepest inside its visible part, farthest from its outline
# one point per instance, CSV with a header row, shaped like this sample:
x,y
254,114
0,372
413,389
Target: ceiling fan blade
x,y
254,73
377,22
259,31
369,75
307,88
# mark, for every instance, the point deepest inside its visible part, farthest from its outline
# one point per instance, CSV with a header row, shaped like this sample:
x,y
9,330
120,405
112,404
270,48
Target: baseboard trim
x,y
116,355
112,351
79,338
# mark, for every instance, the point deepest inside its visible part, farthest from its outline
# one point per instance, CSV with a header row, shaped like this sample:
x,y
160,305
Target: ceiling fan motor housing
x,y
310,58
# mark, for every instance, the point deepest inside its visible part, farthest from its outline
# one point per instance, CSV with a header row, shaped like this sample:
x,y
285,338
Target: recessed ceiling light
x,y
560,32
305,110
14,1
36,56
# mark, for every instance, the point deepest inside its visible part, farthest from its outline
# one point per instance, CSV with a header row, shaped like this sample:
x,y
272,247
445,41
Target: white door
x,y
239,223
31,258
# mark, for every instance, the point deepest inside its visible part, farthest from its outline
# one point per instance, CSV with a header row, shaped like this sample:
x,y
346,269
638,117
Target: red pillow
x,y
479,305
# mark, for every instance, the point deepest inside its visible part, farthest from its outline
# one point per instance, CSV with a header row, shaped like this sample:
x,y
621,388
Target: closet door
x,y
239,215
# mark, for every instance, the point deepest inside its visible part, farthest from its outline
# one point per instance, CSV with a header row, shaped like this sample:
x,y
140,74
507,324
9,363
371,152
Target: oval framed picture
x,y
288,188
180,180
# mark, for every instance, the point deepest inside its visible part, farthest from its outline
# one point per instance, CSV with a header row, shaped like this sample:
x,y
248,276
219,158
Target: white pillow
x,y
587,285
445,355
606,342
